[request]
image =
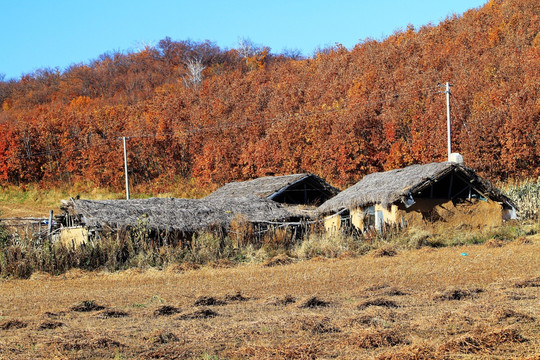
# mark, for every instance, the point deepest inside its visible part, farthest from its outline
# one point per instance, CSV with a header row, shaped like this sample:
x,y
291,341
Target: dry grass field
x,y
470,302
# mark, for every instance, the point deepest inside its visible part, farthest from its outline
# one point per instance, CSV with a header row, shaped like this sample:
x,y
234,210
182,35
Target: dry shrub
x,y
281,259
313,302
108,314
50,325
494,243
481,342
13,324
326,245
87,306
378,302
508,315
384,251
166,310
372,339
199,314
457,294
534,282
281,301
241,231
209,301
411,352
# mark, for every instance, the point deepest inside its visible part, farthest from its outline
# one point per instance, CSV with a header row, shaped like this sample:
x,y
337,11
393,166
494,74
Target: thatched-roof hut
x,y
296,189
170,214
416,193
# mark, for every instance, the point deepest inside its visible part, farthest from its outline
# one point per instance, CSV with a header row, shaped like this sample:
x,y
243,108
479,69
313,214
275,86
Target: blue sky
x,y
58,33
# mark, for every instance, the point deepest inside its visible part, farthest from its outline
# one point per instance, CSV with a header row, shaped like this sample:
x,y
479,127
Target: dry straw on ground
x,y
278,312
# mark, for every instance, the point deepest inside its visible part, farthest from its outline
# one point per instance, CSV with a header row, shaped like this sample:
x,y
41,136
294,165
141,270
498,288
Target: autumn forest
x,y
193,112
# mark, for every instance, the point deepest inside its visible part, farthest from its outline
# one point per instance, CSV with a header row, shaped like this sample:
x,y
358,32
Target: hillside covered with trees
x,y
195,111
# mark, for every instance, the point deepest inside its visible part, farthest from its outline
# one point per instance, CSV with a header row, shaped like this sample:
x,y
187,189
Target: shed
x,y
444,191
295,189
182,217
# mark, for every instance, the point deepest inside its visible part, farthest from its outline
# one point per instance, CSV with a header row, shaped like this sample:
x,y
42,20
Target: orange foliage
x,y
340,114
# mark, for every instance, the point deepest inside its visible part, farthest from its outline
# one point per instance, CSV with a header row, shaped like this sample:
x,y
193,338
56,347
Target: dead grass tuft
x,y
282,351
199,314
235,297
494,243
508,315
108,314
481,342
411,352
162,338
166,310
13,324
106,343
318,326
277,260
222,264
372,339
281,300
46,325
313,302
522,240
182,267
377,302
534,282
209,301
87,306
384,251
457,294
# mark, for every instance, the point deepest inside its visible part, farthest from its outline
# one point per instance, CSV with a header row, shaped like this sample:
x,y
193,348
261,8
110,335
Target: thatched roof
x,y
391,186
187,215
271,187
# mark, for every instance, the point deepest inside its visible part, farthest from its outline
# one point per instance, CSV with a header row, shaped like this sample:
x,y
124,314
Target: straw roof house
x,y
295,189
386,197
181,215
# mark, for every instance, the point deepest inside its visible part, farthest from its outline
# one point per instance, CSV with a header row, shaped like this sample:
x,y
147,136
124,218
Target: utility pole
x,y
448,127
126,167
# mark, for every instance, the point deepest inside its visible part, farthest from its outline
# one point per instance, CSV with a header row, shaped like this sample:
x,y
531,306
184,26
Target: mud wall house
x,y
166,219
416,195
295,189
